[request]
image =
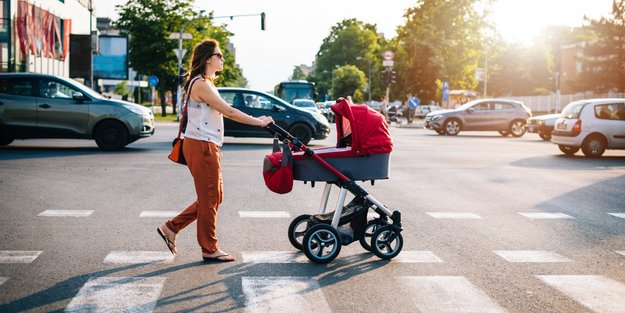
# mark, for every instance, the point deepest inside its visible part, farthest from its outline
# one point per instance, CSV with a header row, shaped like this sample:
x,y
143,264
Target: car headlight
x,y
435,117
135,110
320,118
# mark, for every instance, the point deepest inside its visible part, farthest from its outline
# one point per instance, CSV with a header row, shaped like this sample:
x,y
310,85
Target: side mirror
x,y
470,110
78,96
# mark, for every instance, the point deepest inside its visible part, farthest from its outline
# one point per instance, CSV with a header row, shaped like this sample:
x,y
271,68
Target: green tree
x,y
349,81
441,40
122,89
297,74
148,24
349,42
603,61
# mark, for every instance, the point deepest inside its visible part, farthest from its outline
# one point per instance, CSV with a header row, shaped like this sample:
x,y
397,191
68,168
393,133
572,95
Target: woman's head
x,y
206,59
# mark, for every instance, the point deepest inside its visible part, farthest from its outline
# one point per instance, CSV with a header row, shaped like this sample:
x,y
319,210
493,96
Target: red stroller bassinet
x,y
362,153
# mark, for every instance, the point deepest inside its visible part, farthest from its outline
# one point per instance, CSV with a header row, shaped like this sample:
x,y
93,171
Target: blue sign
x,y
445,91
153,80
413,102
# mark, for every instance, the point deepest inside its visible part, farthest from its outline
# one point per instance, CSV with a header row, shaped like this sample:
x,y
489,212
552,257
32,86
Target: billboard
x,y
111,62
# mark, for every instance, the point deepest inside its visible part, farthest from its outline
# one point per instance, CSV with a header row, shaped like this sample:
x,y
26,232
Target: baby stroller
x,y
362,153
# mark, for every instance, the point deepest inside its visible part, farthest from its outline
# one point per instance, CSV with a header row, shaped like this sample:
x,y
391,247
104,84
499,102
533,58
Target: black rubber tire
x,y
372,226
568,150
517,128
504,133
452,127
301,132
594,146
317,241
546,136
111,135
296,234
387,242
440,132
4,140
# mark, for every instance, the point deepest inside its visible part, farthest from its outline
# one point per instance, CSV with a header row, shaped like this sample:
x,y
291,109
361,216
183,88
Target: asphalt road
x,y
471,243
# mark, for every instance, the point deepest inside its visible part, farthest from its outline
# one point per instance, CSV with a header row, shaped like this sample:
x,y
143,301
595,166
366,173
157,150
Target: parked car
x,y
303,124
422,110
505,116
46,106
543,125
324,108
593,125
306,104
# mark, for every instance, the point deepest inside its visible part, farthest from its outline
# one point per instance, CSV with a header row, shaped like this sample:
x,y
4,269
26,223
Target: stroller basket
x,y
368,167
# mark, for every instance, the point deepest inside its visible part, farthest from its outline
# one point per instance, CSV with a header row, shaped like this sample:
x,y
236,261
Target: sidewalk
x,y
416,123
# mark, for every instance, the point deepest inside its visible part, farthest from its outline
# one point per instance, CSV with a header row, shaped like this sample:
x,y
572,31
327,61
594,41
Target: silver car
x,y
47,106
508,117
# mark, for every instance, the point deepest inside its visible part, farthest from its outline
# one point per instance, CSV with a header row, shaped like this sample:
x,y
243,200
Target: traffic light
x,y
393,76
388,77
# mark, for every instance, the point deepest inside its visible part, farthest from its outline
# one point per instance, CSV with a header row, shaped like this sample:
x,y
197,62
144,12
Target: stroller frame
x,y
386,239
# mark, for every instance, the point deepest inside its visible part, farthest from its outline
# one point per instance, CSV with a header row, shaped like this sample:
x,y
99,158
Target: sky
x,y
295,29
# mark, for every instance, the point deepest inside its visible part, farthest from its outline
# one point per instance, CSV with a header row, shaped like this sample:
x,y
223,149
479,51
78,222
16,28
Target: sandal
x,y
220,258
170,244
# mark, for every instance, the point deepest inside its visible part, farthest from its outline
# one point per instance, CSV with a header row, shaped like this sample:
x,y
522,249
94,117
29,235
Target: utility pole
x,y
91,44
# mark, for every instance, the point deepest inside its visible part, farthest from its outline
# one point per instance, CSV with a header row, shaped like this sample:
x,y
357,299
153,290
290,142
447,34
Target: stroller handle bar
x,y
275,129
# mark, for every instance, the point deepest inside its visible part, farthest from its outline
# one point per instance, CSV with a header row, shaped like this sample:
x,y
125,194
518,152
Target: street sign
x,y
388,55
479,74
184,51
388,63
153,80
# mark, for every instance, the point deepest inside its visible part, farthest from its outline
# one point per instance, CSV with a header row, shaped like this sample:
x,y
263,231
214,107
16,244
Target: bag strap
x,y
287,155
186,102
276,144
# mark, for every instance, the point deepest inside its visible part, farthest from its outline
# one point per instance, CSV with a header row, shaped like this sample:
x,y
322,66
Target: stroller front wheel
x,y
372,226
387,242
297,230
322,243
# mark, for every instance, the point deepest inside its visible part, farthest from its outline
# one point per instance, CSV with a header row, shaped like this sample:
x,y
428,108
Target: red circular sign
x,y
388,55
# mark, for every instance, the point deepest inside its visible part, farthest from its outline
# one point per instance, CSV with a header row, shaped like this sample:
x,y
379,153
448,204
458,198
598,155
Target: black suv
x,y
302,124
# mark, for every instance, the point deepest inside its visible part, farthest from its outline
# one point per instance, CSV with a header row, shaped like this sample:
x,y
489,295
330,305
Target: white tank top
x,y
203,122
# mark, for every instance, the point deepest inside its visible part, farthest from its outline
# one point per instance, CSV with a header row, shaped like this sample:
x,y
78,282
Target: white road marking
x,y
7,256
454,215
283,294
273,257
417,257
163,214
621,252
3,280
66,213
137,257
621,215
264,214
598,293
118,294
447,294
544,215
533,256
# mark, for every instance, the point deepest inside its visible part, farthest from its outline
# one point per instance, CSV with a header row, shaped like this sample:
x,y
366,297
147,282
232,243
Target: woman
x,y
203,137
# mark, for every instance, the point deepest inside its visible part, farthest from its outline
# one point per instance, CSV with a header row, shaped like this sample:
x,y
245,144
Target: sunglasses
x,y
221,56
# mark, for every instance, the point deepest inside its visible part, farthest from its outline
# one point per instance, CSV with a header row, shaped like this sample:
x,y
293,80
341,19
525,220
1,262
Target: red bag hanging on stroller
x,y
278,169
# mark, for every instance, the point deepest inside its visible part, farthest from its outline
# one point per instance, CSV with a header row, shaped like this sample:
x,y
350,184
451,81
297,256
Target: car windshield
x,y
90,92
573,109
468,104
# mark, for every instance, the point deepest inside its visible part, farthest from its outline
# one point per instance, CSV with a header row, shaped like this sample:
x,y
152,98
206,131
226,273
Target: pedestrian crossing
x,y
431,293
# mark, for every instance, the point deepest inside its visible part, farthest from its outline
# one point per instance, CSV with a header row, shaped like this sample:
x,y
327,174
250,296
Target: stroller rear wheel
x,y
322,243
387,242
372,226
298,229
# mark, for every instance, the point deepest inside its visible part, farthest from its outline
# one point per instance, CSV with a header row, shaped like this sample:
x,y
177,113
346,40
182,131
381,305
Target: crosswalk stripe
x,y
454,215
544,215
621,215
264,214
163,214
417,257
273,257
66,213
532,256
3,280
8,256
138,257
621,253
447,294
598,293
283,294
118,294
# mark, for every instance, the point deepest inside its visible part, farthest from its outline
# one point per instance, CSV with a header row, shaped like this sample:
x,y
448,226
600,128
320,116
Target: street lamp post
x,y
180,37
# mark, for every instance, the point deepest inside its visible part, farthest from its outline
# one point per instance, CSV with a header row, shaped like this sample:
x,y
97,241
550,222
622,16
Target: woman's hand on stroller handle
x,y
265,120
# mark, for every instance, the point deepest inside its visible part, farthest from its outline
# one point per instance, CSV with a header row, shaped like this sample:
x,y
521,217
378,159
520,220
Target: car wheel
x,y
546,136
111,135
4,140
302,132
593,146
504,133
517,128
440,132
452,127
568,150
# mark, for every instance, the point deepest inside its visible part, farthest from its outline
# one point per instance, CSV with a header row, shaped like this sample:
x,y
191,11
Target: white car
x,y
306,104
593,125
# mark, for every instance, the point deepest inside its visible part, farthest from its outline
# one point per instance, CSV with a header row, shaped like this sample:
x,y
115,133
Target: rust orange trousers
x,y
204,162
